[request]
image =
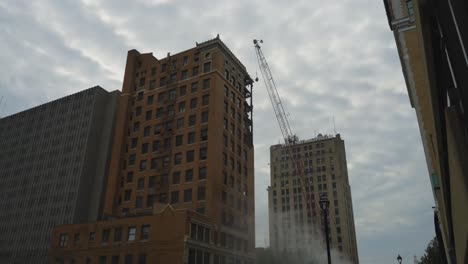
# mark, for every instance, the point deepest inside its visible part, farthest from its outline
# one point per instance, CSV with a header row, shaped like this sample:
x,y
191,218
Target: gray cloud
x,y
329,58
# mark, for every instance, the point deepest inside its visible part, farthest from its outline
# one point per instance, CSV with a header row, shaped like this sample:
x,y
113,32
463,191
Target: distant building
x,y
292,225
53,163
183,141
432,41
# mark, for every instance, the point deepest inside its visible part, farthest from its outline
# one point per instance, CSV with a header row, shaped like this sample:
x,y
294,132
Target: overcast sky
x,y
329,58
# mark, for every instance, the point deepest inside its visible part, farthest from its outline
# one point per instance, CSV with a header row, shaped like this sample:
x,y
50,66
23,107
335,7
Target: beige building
x,y
432,38
325,169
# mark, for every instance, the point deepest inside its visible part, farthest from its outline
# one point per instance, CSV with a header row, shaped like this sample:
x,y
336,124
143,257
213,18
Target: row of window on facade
x,y
172,63
174,76
164,178
105,235
198,256
154,162
163,197
114,259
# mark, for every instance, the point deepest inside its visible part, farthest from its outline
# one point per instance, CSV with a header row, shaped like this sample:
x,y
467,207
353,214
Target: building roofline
x,y
389,13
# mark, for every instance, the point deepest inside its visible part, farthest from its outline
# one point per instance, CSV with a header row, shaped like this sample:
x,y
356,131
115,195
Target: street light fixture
x,y
324,205
399,258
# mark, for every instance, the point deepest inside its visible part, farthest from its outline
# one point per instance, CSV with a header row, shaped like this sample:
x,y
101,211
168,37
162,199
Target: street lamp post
x,y
399,259
324,205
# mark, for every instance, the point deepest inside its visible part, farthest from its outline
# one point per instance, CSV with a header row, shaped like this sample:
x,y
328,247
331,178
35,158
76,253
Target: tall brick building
x,y
292,226
181,177
53,163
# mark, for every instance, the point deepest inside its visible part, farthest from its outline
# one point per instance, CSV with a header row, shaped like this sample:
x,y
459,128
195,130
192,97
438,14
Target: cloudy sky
x,y
330,59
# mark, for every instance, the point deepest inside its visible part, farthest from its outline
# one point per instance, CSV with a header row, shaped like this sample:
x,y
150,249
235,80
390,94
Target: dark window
x,y
201,193
144,148
184,75
203,153
127,195
115,259
179,140
194,87
185,60
136,126
207,67
202,173
141,183
206,84
152,182
205,99
182,90
192,120
204,117
195,71
92,236
182,107
146,131
129,259
118,233
180,123
172,94
142,165
152,84
162,81
140,95
153,71
164,67
189,175
149,200
155,145
154,163
157,129
142,259
105,235
129,176
177,158
187,195
63,240
138,111
193,103
191,138
190,155
102,260
145,231
204,134
175,197
176,177
159,112
139,202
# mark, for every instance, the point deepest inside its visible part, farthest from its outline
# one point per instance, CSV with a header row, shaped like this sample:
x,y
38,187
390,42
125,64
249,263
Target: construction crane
x,y
290,138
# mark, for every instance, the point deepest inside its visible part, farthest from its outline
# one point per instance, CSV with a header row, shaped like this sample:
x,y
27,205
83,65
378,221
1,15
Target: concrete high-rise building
x,y
53,163
292,225
432,41
181,180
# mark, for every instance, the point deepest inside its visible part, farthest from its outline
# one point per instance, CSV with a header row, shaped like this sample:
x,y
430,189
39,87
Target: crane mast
x,y
290,138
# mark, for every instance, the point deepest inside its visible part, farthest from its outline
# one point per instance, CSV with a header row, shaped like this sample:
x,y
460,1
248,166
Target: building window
x,y
191,138
63,242
207,67
184,75
138,111
194,87
180,123
182,107
195,71
177,158
102,260
129,176
410,6
117,234
162,81
203,153
205,100
204,134
190,155
189,175
76,238
187,195
131,233
144,148
193,103
192,120
176,177
179,140
141,183
92,236
206,84
129,258
164,67
202,173
105,235
153,71
204,117
185,60
201,193
154,163
138,202
142,259
175,197
146,131
136,126
127,195
182,90
145,230
142,165
149,200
